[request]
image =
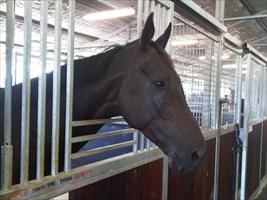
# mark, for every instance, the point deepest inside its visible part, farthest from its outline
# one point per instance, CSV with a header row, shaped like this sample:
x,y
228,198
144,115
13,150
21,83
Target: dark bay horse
x,y
137,81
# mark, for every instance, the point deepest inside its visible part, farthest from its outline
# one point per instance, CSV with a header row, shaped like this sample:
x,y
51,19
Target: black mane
x,y
95,65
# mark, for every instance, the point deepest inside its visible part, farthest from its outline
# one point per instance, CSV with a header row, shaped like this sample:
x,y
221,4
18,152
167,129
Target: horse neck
x,y
96,97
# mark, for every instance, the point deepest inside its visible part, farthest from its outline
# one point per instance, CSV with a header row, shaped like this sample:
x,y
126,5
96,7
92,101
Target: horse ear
x,y
148,31
163,39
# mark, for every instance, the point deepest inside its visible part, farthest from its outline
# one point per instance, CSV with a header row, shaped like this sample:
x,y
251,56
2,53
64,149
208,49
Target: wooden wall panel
x,y
253,160
197,185
264,149
142,183
145,182
227,167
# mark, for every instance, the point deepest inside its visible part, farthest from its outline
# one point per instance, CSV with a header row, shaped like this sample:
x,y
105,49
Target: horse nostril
x,y
197,155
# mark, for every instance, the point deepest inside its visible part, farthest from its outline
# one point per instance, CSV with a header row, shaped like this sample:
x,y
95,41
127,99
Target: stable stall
x,y
224,82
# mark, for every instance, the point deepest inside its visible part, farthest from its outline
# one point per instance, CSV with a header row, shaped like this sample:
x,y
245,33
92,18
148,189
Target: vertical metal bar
x,y
169,18
217,154
42,92
157,19
165,173
148,143
262,91
238,117
7,149
145,141
146,9
139,17
16,67
261,113
246,129
218,120
25,116
142,9
261,144
238,89
152,6
10,20
142,141
164,19
219,10
161,20
135,137
56,89
218,80
209,52
167,14
69,87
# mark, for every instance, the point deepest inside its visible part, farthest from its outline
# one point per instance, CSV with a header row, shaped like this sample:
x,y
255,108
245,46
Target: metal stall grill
x,y
253,90
48,35
229,84
256,89
195,57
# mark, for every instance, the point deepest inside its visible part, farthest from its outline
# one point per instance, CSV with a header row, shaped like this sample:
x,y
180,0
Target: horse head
x,y
151,99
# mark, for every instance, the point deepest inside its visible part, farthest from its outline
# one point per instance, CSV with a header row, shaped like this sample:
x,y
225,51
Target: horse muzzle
x,y
184,164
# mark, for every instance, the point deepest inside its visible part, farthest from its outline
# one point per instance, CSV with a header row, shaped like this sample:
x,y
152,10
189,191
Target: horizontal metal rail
x,y
61,183
102,135
205,15
102,149
95,121
211,134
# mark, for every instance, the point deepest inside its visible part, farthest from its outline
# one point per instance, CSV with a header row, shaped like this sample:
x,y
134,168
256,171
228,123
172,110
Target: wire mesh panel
x,y
229,78
253,73
256,74
195,56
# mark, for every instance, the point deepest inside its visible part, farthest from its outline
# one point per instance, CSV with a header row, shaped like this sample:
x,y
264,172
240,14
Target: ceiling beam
x,y
242,21
252,11
260,45
245,17
255,38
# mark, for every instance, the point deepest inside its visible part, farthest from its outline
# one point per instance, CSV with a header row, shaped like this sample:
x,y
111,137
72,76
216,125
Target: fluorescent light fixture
x,y
225,56
202,57
229,66
109,14
184,42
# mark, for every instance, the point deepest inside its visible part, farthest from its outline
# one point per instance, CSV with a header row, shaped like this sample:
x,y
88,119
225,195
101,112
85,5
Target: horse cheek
x,y
134,105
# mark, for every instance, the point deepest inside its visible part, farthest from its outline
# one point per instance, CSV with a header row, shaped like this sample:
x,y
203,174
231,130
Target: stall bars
x,y
61,182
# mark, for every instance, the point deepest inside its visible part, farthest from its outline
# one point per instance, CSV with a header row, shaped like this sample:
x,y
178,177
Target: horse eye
x,y
159,84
